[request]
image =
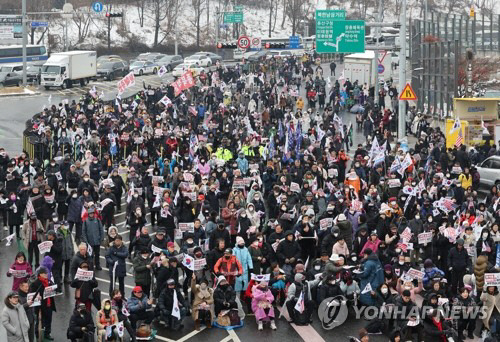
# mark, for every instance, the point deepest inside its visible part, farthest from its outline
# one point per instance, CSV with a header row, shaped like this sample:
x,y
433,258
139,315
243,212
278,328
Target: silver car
x,y
489,170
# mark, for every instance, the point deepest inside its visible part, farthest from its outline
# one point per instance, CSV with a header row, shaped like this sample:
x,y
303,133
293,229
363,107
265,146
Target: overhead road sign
x,y
340,36
233,17
39,24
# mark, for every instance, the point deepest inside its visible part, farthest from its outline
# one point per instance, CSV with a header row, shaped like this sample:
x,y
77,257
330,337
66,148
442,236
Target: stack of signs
x,y
184,82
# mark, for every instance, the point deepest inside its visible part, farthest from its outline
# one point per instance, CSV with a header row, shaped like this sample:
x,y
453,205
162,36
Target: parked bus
x,y
14,53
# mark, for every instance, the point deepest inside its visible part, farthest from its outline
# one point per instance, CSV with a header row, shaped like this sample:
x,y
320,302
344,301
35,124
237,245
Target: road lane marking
x,y
235,337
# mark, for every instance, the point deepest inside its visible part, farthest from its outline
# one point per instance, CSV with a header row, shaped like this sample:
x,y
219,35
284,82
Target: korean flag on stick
x,y
368,289
162,71
299,306
456,125
175,307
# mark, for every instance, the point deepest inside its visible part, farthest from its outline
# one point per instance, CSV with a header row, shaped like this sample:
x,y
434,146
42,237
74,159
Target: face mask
x,y
189,241
407,287
107,307
250,209
341,200
336,234
86,179
317,267
53,164
417,217
384,290
401,262
55,219
136,195
25,182
243,215
354,258
485,235
256,198
429,219
75,195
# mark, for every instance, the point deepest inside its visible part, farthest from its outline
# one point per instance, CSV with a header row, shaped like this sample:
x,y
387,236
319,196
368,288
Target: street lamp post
x,y
25,41
402,73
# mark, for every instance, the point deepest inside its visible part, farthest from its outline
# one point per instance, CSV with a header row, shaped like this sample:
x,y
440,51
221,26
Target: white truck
x,y
359,66
63,69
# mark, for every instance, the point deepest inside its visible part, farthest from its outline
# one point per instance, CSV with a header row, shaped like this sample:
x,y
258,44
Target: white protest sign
x,y
186,227
294,187
9,239
89,250
18,273
50,291
492,279
155,249
58,175
44,247
84,275
198,264
36,301
415,274
424,238
325,223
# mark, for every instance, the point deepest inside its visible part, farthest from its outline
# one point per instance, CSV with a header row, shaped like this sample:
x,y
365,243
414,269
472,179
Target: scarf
x,y
204,294
45,283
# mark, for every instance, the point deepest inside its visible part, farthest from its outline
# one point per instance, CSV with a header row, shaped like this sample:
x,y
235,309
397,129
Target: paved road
x,y
65,304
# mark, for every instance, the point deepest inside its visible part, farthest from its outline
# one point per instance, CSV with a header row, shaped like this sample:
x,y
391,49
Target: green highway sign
x,y
233,17
338,14
340,36
238,8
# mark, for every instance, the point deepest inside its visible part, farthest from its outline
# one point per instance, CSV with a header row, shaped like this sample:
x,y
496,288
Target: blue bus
x,y
14,53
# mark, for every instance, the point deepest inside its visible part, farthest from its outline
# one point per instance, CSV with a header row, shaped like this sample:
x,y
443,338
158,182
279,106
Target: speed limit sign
x,y
243,42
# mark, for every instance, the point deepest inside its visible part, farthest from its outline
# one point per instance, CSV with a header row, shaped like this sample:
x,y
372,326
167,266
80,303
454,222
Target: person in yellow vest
x,y
465,179
300,103
224,153
248,150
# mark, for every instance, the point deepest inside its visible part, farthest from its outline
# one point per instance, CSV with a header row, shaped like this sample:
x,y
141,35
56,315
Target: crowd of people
x,y
240,197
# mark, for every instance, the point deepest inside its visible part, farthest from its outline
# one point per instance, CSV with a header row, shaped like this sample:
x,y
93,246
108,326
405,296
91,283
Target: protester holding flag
x,y
172,307
115,261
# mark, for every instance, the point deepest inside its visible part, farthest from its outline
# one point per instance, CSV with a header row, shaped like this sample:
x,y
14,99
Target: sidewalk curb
x,y
20,94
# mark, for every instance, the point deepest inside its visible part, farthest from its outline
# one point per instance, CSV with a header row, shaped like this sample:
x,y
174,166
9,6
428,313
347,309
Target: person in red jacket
x,y
229,266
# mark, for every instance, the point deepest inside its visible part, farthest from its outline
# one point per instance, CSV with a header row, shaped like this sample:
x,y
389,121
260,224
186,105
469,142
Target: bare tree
x,y
196,17
164,13
295,10
82,20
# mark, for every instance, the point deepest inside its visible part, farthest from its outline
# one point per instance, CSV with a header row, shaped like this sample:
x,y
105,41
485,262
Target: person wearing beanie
x,y
431,272
459,263
407,329
300,289
228,266
203,300
48,305
14,319
243,256
224,296
372,274
288,252
262,307
165,305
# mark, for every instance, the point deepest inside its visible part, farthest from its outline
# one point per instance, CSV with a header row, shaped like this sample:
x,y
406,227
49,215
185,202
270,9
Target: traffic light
x,y
114,15
226,45
275,45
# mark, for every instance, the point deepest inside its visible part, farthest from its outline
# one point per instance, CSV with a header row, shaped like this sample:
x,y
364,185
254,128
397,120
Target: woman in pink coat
x,y
262,306
371,243
20,270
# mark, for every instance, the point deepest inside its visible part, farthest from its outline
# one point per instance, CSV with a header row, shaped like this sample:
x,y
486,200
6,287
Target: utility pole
x,y
25,41
109,28
216,25
176,39
402,74
375,61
